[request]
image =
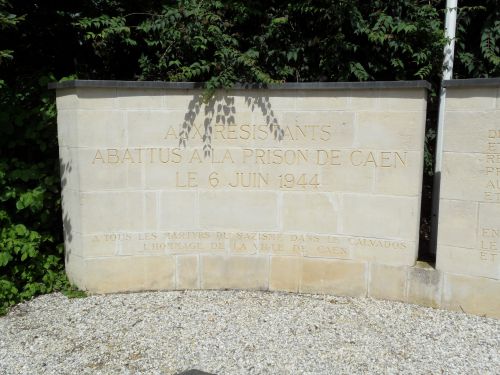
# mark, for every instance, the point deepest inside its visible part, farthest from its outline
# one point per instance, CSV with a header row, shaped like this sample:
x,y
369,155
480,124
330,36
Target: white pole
x,y
449,52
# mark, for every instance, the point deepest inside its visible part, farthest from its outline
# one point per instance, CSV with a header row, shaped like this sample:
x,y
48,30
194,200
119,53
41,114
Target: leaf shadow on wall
x,y
221,109
65,169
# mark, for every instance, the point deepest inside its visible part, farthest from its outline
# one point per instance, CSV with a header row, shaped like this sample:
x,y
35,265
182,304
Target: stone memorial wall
x,y
309,188
468,250
294,187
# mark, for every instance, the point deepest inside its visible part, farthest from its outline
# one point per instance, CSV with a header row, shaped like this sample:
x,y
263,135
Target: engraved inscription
x,y
491,191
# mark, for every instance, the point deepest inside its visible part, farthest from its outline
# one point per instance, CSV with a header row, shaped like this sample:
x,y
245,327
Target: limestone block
x,y
75,267
67,122
285,273
183,100
158,128
277,100
118,274
73,241
474,262
470,98
461,175
387,282
345,176
235,272
322,101
400,179
96,173
390,131
468,131
66,99
339,277
458,223
68,168
187,272
402,100
72,211
96,98
101,245
232,210
177,210
363,100
139,99
473,295
316,213
100,128
424,285
380,216
104,212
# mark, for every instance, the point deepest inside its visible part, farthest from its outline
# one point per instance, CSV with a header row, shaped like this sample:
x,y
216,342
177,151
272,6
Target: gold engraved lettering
x,y
147,236
127,156
226,157
493,184
402,160
190,180
383,159
493,147
487,256
490,232
219,129
171,133
488,245
98,156
113,157
249,179
494,133
217,246
355,158
493,158
259,155
231,131
325,133
263,133
196,157
245,132
375,243
493,170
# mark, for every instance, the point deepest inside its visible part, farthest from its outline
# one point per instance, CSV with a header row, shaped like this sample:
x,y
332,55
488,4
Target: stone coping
x,y
472,82
280,86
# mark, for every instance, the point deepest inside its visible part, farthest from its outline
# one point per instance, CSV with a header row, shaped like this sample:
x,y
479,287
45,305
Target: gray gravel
x,y
236,332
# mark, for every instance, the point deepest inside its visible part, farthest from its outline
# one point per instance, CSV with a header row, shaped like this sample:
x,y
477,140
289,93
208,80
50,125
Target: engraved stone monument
x,y
468,250
296,187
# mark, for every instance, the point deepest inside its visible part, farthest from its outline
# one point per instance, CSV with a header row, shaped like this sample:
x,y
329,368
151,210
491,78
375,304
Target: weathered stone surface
x,y
424,285
333,276
293,190
468,251
473,295
469,213
387,282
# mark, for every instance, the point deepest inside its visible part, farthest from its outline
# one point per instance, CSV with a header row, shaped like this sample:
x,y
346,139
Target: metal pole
x,y
449,51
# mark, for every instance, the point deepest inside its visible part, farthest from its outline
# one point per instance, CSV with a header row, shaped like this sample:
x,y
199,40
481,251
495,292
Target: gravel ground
x,y
236,332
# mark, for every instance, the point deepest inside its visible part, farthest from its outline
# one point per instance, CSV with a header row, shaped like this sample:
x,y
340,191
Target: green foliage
x,y
31,253
225,42
478,37
213,41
